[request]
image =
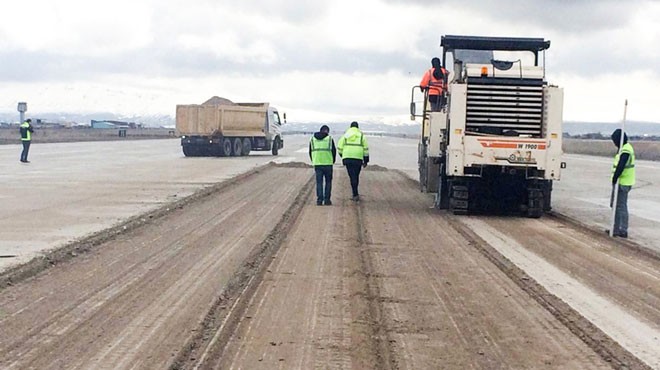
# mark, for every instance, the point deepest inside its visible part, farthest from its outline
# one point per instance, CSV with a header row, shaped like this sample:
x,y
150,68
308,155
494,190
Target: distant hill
x,y
339,127
162,120
634,128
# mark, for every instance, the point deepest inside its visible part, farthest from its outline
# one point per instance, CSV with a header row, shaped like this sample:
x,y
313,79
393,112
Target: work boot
x,y
319,202
617,234
356,198
328,203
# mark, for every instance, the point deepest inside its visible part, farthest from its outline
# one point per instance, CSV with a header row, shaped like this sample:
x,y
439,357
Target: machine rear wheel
x,y
459,198
535,203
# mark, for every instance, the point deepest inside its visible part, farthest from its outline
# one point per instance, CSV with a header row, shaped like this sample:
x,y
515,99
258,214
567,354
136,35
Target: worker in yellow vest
x,y
623,172
354,151
322,152
26,138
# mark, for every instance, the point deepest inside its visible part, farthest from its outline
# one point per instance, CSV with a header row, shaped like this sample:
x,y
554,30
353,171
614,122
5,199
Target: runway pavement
x,y
74,189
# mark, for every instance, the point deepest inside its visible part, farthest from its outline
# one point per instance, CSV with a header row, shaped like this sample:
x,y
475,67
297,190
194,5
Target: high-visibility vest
x,y
26,135
627,177
436,87
353,145
322,151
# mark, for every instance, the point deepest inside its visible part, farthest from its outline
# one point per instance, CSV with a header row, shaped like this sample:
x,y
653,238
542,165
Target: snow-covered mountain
x,y
161,120
398,127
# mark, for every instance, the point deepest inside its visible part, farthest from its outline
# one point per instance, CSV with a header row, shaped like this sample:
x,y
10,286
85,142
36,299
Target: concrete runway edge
x,y
75,248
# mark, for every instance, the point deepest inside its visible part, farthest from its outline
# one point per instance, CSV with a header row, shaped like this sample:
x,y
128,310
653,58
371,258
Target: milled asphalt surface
x,y
70,190
73,189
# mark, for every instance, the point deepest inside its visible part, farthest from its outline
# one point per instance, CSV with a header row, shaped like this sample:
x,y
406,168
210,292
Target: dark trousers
x,y
353,167
621,213
26,149
437,102
323,172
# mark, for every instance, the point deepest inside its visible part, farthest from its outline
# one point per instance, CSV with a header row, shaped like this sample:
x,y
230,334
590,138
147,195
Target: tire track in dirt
x,y
313,308
380,334
445,305
225,314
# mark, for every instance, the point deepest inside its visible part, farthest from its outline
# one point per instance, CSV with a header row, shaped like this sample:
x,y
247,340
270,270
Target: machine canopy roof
x,y
451,42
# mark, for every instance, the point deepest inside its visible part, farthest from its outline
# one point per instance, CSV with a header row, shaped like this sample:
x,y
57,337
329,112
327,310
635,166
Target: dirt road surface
x,y
256,276
136,301
388,284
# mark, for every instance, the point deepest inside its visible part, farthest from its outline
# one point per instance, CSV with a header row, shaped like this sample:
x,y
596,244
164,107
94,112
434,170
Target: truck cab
x,y
273,131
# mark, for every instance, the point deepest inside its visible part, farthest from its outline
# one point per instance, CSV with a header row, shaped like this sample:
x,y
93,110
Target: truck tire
x,y
237,147
276,146
226,148
247,146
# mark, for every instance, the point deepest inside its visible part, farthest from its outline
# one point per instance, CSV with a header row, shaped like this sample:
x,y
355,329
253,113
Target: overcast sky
x,y
317,60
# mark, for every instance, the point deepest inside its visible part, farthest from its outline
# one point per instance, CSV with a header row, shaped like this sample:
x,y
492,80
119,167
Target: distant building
x,y
114,124
44,123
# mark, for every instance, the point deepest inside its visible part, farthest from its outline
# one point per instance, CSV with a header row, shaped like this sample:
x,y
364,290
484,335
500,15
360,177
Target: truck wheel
x,y
247,146
276,146
226,148
237,147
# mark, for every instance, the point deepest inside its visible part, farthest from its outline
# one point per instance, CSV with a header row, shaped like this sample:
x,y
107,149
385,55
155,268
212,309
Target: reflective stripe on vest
x,y
353,145
322,151
436,87
28,135
627,177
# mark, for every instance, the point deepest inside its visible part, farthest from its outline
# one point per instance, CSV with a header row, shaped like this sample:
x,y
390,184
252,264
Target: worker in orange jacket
x,y
434,82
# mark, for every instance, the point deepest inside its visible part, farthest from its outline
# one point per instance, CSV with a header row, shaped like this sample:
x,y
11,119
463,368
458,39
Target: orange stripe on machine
x,y
507,144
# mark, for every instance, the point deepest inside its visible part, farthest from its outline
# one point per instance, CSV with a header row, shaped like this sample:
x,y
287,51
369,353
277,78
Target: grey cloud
x,y
164,58
296,11
592,57
291,11
564,16
171,62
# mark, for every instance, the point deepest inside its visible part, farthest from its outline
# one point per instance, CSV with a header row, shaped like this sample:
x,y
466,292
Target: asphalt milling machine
x,y
494,143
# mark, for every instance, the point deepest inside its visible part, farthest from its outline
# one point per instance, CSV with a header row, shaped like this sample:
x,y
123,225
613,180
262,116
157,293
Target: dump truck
x,y
220,127
494,143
